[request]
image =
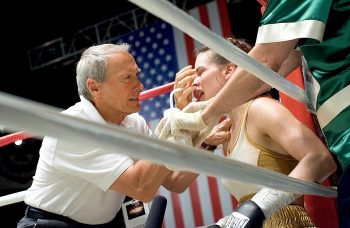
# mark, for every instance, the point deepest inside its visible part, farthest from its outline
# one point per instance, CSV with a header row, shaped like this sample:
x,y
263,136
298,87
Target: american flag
x,y
160,51
154,51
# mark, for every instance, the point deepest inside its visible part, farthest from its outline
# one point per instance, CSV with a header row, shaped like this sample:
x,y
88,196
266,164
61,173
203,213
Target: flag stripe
x,y
187,209
228,202
181,50
204,196
224,18
189,47
203,15
215,199
196,204
225,199
234,201
215,24
177,210
169,216
195,14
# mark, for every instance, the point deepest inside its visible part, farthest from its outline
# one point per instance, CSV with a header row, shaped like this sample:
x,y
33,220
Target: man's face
x,y
210,79
122,87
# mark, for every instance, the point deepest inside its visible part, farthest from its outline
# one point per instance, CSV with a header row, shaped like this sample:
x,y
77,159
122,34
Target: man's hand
x,y
220,133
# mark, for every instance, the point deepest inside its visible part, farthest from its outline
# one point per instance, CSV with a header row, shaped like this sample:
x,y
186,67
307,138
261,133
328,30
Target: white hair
x,y
93,63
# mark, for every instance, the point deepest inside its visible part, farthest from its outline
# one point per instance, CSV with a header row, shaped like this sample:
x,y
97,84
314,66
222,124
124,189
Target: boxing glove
x,y
247,215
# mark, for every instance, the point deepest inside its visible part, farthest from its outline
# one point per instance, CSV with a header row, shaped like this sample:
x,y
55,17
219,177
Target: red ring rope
x,y
7,139
156,91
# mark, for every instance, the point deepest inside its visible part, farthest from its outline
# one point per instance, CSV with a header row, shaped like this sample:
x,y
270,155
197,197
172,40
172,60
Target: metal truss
x,y
64,51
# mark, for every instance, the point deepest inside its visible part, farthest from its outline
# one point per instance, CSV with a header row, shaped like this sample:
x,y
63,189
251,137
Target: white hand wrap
x,y
196,106
184,127
184,124
163,131
188,121
222,221
163,127
270,200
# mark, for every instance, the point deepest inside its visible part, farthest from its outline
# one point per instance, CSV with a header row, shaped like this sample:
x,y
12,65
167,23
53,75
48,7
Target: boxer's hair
x,y
220,60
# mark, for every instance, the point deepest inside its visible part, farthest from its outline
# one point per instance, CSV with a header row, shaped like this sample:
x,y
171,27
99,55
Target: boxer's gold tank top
x,y
244,149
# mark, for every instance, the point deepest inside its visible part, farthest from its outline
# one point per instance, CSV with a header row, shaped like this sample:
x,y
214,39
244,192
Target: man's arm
x,y
291,63
141,180
179,181
243,86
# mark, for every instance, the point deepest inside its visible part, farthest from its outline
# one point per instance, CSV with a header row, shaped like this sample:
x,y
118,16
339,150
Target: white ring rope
x,y
12,198
183,21
40,119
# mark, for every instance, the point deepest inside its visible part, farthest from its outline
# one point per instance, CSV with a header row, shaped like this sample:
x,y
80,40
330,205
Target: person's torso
x,y
244,149
73,180
323,28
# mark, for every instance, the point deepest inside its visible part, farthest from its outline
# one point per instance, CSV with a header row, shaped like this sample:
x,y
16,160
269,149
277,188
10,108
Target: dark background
x,y
35,22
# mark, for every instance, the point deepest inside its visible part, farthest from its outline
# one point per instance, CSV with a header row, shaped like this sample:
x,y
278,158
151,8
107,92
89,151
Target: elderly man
x,y
81,186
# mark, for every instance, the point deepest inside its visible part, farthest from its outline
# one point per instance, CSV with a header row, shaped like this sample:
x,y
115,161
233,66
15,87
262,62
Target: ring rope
x,y
156,91
40,119
12,198
7,139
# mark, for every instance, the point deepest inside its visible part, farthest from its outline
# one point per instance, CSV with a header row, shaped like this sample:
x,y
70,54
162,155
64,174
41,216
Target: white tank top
x,y
245,152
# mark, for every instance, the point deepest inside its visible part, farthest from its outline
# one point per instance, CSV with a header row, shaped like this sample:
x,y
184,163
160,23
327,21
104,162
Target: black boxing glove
x,y
247,215
252,213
